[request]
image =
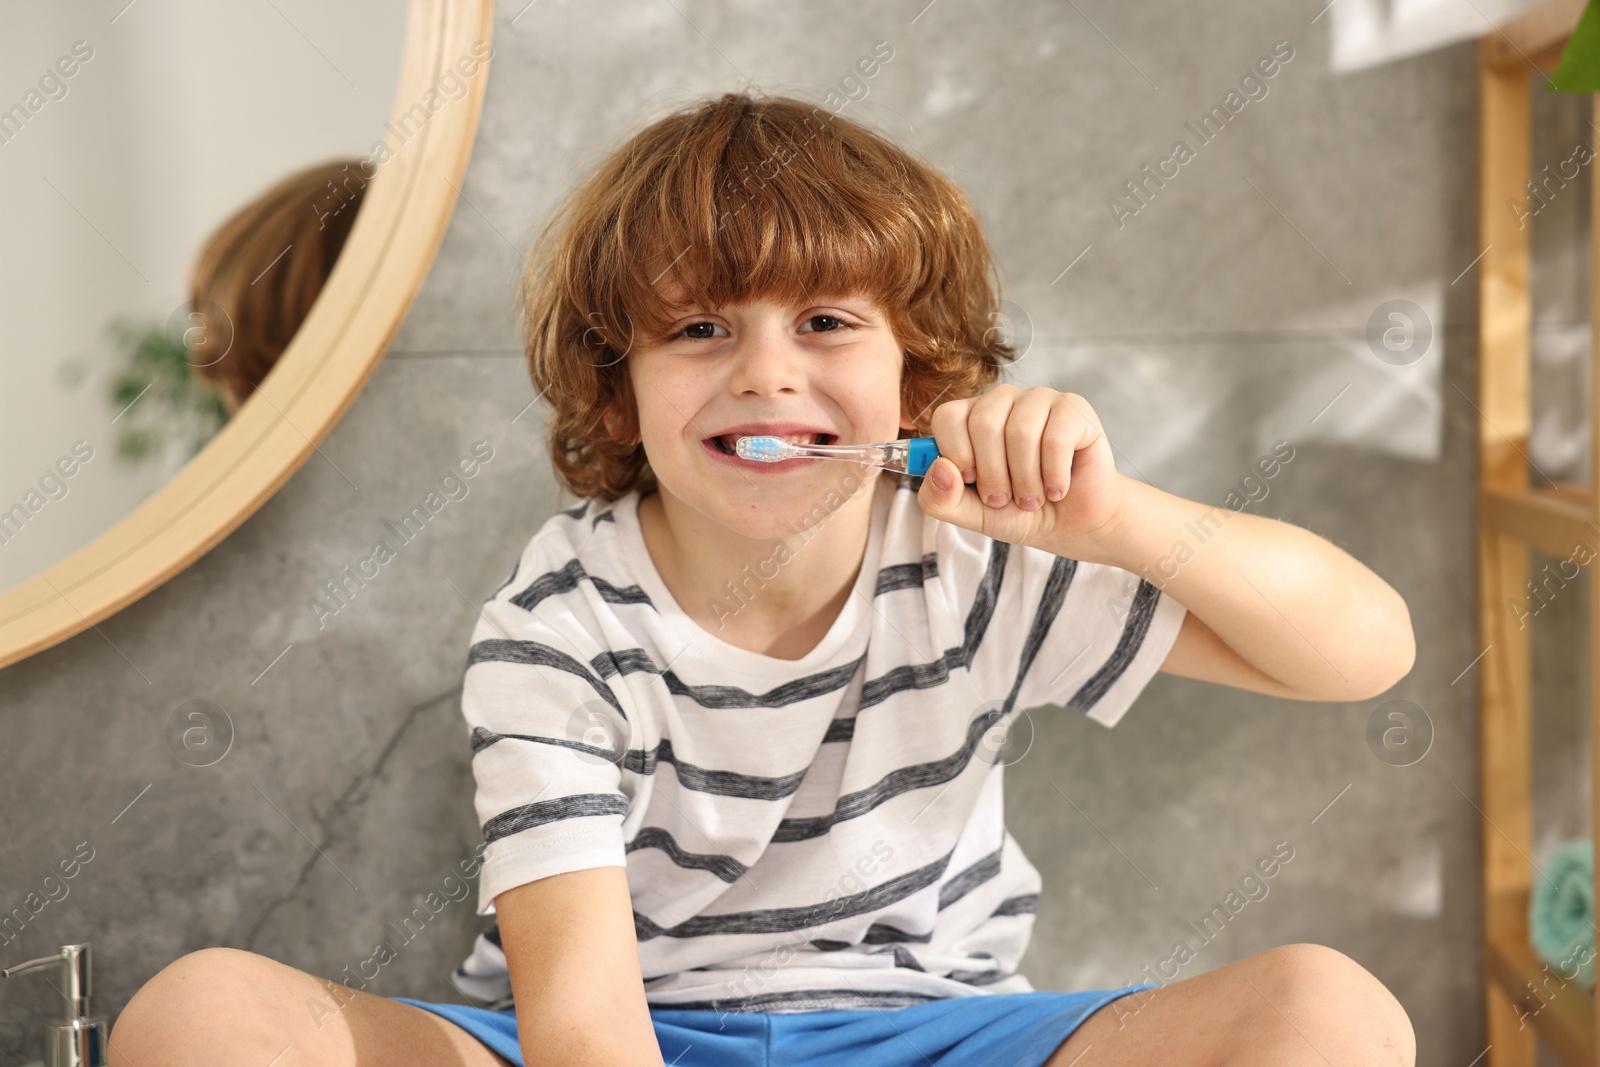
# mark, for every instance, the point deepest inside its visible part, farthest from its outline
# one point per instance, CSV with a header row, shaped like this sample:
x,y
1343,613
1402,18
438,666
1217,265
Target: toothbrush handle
x,y
920,454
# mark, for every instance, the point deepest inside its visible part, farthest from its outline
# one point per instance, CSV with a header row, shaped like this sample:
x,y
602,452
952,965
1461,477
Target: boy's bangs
x,y
793,237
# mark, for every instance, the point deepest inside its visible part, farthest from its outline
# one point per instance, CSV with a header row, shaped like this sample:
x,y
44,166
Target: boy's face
x,y
829,365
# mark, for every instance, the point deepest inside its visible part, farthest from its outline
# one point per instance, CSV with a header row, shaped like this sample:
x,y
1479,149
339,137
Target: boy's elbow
x,y
1399,651
1393,676
1408,657
1386,658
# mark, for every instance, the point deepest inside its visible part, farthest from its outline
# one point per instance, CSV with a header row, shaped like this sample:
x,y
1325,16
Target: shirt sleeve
x,y
548,736
1091,635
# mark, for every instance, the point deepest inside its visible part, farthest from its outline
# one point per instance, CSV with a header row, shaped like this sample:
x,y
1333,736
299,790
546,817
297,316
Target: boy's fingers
x,y
1025,433
949,429
1062,435
989,446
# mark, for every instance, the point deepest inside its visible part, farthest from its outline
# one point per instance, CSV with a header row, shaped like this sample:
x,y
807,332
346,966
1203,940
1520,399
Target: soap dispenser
x,y
78,1040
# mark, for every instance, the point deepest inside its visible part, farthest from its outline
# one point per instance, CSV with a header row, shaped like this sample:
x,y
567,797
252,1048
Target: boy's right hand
x,y
1042,465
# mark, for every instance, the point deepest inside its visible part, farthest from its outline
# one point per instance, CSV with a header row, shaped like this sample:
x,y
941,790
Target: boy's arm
x,y
1272,607
574,964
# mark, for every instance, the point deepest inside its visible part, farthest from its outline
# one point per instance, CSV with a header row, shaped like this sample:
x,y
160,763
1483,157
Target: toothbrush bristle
x,y
766,449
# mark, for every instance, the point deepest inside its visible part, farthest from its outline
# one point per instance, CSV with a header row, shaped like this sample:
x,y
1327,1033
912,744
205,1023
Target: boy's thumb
x,y
943,490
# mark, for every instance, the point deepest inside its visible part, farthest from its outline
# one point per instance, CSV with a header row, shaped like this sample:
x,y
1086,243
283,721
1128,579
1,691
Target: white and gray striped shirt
x,y
798,835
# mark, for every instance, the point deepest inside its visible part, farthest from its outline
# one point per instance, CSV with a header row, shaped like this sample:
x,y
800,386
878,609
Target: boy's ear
x,y
613,420
905,419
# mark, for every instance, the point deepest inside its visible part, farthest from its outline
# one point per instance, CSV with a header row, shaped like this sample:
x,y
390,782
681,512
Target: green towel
x,y
1561,910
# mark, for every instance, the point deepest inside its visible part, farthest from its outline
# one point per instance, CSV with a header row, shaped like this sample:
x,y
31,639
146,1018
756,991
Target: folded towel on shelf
x,y
1561,911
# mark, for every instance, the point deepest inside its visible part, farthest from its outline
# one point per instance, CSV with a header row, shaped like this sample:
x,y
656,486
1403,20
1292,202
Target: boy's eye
x,y
689,330
838,323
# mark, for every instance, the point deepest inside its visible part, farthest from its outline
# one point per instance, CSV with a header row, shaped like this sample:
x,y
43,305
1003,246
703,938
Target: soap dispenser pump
x,y
78,1040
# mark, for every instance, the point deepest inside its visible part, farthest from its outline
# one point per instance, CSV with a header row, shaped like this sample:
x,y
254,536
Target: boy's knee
x,y
205,970
189,1001
1321,989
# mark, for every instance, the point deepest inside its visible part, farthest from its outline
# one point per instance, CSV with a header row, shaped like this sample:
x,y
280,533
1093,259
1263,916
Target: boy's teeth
x,y
732,439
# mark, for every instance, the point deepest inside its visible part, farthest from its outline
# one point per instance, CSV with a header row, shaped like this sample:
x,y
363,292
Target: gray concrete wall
x,y
1229,312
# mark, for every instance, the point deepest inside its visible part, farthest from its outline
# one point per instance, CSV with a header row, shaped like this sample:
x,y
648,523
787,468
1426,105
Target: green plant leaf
x,y
1579,71
158,397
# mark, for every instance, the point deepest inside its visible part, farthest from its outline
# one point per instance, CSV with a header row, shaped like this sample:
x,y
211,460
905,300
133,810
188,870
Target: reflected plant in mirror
x,y
159,404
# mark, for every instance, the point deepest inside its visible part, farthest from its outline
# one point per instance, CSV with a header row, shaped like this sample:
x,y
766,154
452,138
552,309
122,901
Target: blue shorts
x,y
984,1030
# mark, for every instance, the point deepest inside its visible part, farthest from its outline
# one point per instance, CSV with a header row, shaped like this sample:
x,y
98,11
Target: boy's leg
x,y
1292,1005
223,1007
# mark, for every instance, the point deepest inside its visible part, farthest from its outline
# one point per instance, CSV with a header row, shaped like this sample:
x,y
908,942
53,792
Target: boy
x,y
737,728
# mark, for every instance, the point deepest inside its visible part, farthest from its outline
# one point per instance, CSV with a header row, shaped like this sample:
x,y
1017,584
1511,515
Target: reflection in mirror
x,y
176,183
257,276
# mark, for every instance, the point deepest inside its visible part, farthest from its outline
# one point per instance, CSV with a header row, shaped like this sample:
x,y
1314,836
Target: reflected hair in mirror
x,y
255,278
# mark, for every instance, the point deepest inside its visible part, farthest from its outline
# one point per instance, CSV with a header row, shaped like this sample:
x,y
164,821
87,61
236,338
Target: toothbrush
x,y
913,455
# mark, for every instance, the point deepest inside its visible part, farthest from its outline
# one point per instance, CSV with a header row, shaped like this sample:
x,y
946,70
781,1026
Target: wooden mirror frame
x,y
390,249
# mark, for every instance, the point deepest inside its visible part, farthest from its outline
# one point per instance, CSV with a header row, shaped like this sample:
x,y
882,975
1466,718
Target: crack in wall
x,y
351,798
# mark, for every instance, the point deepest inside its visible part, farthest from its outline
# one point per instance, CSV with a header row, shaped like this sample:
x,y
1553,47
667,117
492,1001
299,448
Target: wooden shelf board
x,y
1554,520
1578,494
1563,1012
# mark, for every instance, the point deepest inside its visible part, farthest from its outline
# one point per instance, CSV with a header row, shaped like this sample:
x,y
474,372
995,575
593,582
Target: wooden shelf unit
x,y
1525,1001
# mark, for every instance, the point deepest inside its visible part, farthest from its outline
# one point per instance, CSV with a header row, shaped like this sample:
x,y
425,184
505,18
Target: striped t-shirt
x,y
798,835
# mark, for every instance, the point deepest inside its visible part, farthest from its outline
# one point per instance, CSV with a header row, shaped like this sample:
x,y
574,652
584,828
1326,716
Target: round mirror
x,y
216,218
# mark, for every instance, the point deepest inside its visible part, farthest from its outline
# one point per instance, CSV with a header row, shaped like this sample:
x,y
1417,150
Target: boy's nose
x,y
766,361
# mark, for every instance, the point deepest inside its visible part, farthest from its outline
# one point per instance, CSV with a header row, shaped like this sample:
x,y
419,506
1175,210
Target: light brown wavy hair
x,y
261,269
746,197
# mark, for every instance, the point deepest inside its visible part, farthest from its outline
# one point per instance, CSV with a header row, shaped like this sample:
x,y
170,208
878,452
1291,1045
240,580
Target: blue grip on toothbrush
x,y
920,454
